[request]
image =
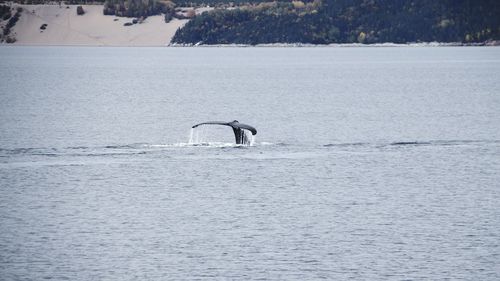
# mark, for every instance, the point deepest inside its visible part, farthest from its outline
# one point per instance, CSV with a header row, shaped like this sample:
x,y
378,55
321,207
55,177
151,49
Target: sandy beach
x,y
65,27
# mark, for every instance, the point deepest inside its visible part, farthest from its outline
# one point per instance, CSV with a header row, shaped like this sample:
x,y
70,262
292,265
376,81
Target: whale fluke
x,y
237,127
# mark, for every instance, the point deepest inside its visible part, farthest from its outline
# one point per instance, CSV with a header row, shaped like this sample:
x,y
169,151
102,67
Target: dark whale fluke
x,y
238,128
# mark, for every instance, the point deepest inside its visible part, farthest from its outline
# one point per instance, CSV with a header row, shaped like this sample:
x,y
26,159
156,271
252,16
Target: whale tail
x,y
238,129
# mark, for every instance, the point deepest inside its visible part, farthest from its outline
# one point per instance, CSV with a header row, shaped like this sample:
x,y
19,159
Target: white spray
x,y
252,140
198,135
191,134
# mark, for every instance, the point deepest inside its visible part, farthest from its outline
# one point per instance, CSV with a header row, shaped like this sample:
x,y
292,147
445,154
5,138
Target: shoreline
x,y
63,27
340,45
276,45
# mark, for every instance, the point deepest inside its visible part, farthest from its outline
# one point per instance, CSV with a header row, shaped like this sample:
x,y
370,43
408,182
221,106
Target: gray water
x,y
369,164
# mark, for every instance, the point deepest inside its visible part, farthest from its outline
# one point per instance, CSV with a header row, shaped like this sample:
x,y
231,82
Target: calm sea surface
x,y
369,163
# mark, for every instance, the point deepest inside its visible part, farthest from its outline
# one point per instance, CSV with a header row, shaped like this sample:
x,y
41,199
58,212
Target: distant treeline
x,y
216,3
68,2
178,3
136,8
348,21
126,8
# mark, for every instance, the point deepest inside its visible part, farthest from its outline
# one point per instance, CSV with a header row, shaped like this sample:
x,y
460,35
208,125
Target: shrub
x,y
12,21
4,10
10,40
6,16
168,17
80,11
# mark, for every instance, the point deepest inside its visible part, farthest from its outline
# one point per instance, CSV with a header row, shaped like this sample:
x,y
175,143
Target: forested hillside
x,y
347,21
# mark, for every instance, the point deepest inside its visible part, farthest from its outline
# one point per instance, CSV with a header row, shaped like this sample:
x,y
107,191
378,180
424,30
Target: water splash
x,y
199,137
195,137
191,134
252,139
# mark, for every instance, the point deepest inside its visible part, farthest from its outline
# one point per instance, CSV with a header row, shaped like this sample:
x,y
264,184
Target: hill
x,y
346,21
61,25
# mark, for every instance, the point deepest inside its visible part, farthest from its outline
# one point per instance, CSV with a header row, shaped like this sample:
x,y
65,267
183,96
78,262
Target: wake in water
x,y
414,143
198,139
